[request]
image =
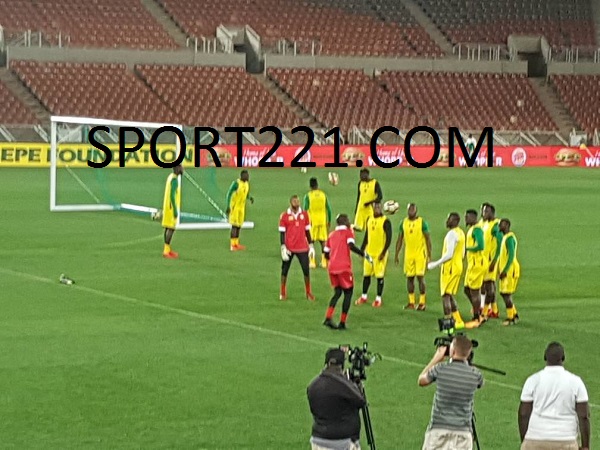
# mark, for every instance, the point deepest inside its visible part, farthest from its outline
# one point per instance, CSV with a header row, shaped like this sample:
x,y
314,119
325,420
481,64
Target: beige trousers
x,y
528,444
442,439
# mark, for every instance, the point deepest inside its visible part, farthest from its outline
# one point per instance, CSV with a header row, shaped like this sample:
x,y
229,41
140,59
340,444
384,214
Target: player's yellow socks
x,y
495,308
486,310
511,312
458,321
422,299
166,249
411,299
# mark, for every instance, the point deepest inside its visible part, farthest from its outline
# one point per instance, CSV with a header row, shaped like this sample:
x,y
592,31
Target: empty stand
x,y
340,27
581,95
344,98
565,23
98,23
470,101
217,96
13,111
92,90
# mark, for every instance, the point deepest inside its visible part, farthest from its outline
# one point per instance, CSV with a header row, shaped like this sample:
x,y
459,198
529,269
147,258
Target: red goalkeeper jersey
x,y
339,251
295,226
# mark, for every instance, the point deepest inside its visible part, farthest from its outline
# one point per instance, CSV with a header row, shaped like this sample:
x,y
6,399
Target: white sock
x,y
378,298
482,300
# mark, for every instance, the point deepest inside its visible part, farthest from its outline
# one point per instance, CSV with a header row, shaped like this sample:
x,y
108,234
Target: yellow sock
x,y
166,249
486,310
457,317
411,299
232,242
422,299
510,313
495,308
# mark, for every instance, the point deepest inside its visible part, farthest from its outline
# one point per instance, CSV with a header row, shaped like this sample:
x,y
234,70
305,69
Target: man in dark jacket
x,y
335,404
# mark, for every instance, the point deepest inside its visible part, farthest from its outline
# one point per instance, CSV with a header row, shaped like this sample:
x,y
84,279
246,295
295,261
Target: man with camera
x,y
452,413
335,403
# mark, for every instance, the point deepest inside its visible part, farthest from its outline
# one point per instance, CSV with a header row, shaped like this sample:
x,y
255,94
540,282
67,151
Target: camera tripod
x,y
367,419
475,438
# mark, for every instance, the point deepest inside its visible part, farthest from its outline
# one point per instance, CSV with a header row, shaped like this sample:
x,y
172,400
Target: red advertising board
x,y
509,156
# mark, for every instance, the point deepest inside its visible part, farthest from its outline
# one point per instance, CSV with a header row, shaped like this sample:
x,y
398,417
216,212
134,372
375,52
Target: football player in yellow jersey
x,y
476,267
414,230
451,261
369,192
378,237
238,192
510,271
492,238
319,211
171,209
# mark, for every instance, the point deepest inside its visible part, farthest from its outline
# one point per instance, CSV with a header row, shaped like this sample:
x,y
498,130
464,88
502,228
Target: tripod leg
x,y
368,427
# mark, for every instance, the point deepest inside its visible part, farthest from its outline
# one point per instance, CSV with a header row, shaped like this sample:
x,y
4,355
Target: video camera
x,y
359,359
446,326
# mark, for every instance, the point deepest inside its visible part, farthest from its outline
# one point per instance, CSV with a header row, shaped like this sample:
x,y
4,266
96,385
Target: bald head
x,y
554,354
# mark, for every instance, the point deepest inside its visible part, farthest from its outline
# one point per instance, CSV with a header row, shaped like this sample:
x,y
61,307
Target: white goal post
x,y
74,127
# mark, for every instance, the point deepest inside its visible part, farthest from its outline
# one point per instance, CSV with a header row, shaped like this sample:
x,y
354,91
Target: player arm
x,y
387,228
365,240
525,410
510,249
306,203
173,199
378,192
451,240
425,230
583,414
479,242
328,208
234,187
357,198
498,236
399,243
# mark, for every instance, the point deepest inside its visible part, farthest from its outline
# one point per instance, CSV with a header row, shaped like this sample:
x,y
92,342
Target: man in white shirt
x,y
452,268
553,403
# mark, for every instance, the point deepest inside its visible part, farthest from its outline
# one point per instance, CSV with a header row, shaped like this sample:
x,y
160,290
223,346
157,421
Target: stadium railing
x,y
480,52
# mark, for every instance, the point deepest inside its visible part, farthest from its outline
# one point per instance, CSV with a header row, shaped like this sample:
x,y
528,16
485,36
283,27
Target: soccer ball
x,y
334,179
156,215
390,207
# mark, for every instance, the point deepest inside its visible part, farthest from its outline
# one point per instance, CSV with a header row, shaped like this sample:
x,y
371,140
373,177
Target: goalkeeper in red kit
x,y
337,252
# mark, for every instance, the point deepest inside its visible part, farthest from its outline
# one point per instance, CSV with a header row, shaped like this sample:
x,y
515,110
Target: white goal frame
x,y
94,207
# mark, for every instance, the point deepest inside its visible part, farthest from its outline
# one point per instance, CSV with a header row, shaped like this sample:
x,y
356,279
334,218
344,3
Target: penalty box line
x,y
220,320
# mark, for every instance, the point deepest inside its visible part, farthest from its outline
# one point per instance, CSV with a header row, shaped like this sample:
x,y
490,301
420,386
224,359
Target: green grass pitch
x,y
199,353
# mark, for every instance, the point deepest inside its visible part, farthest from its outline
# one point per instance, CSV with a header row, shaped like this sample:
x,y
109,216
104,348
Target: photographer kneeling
x,y
452,413
335,403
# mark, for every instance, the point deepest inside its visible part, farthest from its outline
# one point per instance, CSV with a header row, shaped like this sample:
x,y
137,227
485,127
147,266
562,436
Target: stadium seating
x,y
581,95
13,111
92,90
470,101
340,27
217,96
98,23
563,22
344,98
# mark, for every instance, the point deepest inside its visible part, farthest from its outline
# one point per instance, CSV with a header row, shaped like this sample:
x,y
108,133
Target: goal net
x,y
139,186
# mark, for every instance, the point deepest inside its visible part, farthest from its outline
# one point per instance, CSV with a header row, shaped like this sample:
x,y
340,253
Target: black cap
x,y
335,356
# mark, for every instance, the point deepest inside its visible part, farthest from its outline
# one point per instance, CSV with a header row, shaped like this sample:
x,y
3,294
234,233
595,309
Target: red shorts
x,y
343,280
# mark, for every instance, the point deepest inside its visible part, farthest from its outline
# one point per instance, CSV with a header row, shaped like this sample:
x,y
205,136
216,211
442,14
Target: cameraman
x,y
335,403
451,416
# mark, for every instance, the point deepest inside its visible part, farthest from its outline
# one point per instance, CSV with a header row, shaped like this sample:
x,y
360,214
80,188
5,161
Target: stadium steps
x,y
14,84
433,31
165,21
551,101
307,118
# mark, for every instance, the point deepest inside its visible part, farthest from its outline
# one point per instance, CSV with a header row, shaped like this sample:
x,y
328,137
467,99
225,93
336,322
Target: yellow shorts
x,y
236,216
318,233
168,219
377,269
491,275
474,276
414,266
449,283
362,215
508,285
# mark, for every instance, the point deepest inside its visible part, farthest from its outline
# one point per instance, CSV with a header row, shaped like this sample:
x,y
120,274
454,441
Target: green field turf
x,y
199,352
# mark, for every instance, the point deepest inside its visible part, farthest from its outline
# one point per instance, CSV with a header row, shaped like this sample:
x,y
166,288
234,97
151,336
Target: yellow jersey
x,y
172,184
315,202
506,249
490,242
367,192
414,236
238,193
475,258
454,265
376,237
